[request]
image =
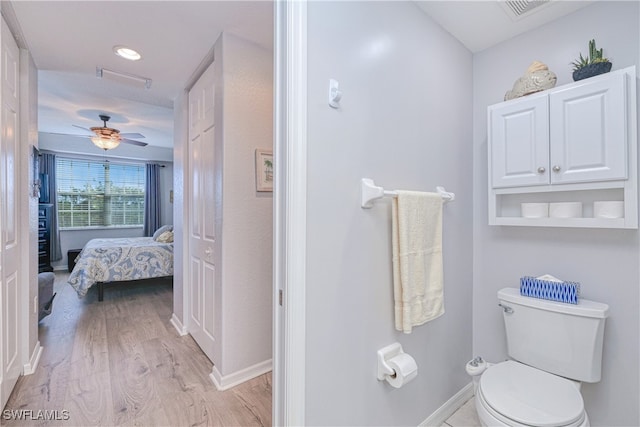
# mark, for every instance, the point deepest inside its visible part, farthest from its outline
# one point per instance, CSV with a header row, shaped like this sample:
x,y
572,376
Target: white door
x,y
519,142
588,131
10,244
201,232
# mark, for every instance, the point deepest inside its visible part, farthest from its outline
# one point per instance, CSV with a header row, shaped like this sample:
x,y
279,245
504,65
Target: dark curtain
x,y
152,200
48,167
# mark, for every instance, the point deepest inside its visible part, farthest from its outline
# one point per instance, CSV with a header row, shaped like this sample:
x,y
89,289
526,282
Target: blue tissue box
x,y
568,292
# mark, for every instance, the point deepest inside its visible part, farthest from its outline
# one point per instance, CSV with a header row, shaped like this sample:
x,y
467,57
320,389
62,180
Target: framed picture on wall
x,y
264,170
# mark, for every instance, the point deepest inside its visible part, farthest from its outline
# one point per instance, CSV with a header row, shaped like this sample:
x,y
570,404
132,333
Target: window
x,y
99,194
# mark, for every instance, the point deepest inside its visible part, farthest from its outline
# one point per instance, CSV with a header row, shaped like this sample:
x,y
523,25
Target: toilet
x,y
553,348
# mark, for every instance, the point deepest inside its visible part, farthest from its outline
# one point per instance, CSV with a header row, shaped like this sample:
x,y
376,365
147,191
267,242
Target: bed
x,y
117,260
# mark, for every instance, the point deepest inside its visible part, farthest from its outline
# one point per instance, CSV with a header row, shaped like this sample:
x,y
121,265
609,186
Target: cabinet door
x,y
588,131
519,142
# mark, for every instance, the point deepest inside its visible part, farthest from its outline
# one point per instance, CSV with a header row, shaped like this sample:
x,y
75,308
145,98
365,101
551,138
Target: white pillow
x,y
166,237
161,230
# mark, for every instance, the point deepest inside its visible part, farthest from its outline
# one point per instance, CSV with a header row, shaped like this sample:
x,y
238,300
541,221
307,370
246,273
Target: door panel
x,y
9,126
196,315
10,244
208,323
194,196
10,296
208,187
202,213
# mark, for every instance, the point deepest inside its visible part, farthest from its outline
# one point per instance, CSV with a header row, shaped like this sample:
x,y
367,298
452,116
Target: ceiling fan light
x,y
126,53
106,142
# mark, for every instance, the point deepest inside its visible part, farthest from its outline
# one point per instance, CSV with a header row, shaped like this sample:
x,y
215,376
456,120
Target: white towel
x,y
417,258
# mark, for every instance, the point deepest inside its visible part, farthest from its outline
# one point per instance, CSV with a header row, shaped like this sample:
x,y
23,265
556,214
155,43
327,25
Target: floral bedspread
x,y
114,260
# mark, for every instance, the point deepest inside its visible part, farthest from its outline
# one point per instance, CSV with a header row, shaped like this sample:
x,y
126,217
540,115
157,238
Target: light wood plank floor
x,y
120,363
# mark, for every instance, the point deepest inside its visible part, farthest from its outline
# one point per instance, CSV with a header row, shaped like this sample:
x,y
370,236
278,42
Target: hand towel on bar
x,y
417,258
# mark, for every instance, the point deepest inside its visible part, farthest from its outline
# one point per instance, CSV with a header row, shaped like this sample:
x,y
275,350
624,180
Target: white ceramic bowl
x,y
565,210
534,210
608,209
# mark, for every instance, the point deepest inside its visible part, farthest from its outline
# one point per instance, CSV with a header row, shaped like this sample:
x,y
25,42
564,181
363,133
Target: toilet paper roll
x,y
565,210
405,367
613,209
534,210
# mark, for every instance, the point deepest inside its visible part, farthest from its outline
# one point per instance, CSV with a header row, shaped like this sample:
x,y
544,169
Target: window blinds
x,y
99,194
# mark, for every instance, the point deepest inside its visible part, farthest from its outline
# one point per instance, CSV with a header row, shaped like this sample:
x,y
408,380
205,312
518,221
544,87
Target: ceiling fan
x,y
108,138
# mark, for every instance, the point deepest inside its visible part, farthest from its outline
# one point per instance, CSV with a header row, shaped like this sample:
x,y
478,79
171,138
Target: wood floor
x,y
120,363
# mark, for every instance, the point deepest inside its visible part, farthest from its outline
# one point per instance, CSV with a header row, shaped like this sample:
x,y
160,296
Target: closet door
x,y
10,245
202,219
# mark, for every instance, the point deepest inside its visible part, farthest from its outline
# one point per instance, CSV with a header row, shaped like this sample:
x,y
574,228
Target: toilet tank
x,y
560,338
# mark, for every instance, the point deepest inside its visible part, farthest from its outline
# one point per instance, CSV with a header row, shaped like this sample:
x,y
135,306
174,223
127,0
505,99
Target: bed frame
x,y
101,285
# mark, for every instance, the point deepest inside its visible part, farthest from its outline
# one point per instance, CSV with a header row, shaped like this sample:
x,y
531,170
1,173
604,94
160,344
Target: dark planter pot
x,y
592,70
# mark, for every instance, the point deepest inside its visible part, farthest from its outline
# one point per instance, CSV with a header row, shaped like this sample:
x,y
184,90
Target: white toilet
x,y
553,346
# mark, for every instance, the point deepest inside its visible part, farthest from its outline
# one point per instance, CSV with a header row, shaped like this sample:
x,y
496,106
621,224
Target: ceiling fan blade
x,y
68,134
134,142
76,126
132,135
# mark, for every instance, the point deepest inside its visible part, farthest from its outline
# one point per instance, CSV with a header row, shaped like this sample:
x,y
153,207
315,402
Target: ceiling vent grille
x,y
518,9
125,78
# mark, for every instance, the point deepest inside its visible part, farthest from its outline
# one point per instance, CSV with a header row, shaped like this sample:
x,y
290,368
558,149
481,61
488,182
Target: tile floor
x,y
466,416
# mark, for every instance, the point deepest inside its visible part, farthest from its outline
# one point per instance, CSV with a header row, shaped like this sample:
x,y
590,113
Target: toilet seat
x,y
517,394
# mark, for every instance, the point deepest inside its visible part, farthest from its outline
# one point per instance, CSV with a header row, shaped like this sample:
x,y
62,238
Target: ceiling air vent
x,y
125,78
518,9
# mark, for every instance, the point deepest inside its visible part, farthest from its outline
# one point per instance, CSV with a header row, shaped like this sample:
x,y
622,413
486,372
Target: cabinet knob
x,y
541,169
556,168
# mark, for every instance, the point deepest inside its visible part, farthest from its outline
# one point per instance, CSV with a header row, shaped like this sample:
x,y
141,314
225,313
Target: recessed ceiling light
x,y
126,53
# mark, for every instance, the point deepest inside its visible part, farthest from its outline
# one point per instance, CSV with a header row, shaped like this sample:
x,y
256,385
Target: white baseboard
x,y
60,267
32,365
232,380
182,330
450,406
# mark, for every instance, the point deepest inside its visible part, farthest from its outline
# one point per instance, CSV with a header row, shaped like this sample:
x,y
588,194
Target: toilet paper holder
x,y
385,354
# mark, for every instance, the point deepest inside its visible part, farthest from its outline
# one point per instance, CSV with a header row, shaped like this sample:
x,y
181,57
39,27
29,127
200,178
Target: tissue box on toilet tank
x,y
548,287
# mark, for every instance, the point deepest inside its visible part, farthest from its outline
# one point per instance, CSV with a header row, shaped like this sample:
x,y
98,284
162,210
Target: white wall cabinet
x,y
573,134
576,142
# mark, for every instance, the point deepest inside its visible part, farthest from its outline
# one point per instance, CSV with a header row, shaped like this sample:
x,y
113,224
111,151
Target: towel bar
x,y
371,192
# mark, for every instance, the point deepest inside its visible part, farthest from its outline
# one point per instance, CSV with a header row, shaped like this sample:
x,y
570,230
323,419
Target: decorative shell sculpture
x,y
537,78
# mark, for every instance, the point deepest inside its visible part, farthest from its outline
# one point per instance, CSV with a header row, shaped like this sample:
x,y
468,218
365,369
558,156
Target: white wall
x,y
405,121
76,239
604,261
244,122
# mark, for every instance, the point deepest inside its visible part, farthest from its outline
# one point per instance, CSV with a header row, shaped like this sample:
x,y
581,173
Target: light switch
x,y
335,94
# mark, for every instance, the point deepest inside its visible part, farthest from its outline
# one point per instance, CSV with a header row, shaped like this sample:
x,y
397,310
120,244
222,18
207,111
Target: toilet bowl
x,y
514,394
553,348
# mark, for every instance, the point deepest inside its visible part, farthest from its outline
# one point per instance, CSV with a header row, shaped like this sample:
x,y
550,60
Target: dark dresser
x,y
44,237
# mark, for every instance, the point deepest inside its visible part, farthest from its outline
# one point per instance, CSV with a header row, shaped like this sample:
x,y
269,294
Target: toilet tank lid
x,y
584,307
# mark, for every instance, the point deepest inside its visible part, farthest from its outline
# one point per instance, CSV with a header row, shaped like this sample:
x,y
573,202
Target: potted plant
x,y
592,65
